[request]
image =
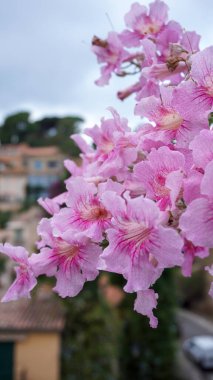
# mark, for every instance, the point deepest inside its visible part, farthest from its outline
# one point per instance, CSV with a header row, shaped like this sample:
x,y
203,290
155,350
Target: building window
x,y
2,167
38,164
41,180
25,162
18,236
52,164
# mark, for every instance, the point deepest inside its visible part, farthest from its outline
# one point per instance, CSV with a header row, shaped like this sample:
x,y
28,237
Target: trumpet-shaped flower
x,y
25,278
191,186
72,260
85,213
111,54
190,252
202,148
161,176
174,123
202,73
197,221
116,146
144,23
139,246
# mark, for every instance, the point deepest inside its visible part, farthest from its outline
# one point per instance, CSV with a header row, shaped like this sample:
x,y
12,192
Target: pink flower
x,y
202,73
145,302
129,91
111,53
143,23
198,92
148,87
161,71
85,212
86,166
139,246
173,121
175,48
190,41
25,278
88,170
44,230
171,33
161,176
191,186
197,221
116,149
72,260
116,146
202,148
190,252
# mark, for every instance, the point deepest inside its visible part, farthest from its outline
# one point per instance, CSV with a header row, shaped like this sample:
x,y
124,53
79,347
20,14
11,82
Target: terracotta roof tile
x,y
41,151
31,315
26,150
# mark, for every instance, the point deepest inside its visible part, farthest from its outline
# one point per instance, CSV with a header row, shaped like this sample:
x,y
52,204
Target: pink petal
x,y
145,302
16,253
69,285
25,281
159,11
202,148
207,181
197,222
49,205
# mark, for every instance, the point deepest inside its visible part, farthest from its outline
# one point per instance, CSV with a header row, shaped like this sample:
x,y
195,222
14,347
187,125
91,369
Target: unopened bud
x,y
96,41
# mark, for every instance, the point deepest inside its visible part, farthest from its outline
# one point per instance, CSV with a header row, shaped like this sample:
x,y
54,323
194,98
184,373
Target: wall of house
x,y
12,190
22,229
45,165
37,357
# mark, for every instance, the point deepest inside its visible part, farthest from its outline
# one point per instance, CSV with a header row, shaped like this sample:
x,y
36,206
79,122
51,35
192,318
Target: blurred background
x,y
47,92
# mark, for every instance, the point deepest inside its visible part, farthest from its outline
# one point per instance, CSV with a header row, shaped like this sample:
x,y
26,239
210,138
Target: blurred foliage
x,y
2,265
91,338
4,218
191,289
18,128
15,128
105,343
210,119
147,353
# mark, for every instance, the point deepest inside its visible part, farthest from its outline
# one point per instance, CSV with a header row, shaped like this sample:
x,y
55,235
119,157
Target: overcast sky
x,y
46,65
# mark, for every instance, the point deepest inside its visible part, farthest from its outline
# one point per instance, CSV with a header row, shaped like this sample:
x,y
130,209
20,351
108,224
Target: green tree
x,y
91,338
15,128
147,353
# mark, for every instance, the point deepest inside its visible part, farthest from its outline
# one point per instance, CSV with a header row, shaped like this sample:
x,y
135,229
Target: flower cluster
x,y
142,200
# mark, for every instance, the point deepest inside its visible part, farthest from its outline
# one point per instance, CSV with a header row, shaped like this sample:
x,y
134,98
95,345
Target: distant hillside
x,y
18,128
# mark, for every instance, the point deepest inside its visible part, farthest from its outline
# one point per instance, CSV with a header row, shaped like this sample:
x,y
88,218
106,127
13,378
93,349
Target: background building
x,y
27,172
30,339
